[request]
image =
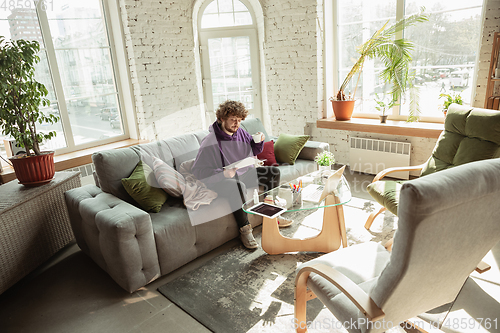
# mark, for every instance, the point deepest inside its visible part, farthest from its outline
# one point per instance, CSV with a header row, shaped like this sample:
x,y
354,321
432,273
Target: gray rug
x,y
245,291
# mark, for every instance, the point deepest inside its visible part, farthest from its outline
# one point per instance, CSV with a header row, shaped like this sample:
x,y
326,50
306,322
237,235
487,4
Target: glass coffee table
x,y
333,232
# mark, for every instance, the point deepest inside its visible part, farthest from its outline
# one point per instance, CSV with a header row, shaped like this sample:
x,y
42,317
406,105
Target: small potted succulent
x,y
325,159
450,99
21,97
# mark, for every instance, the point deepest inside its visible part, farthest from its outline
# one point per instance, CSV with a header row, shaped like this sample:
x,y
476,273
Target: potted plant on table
x,y
396,57
20,99
325,159
450,99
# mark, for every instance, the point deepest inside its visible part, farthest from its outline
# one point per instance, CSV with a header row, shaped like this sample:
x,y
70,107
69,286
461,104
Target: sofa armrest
x,y
312,148
115,234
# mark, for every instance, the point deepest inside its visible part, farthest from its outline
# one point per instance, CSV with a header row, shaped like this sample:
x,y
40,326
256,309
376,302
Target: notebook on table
x,y
317,193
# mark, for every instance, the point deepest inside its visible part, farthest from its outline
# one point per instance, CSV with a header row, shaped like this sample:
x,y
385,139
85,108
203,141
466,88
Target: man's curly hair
x,y
231,108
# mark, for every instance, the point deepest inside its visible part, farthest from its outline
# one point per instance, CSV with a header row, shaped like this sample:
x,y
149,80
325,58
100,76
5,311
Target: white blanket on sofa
x,y
195,192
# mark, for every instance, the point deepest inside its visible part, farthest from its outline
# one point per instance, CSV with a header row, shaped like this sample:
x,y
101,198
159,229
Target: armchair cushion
x,y
386,193
287,148
362,264
470,134
139,186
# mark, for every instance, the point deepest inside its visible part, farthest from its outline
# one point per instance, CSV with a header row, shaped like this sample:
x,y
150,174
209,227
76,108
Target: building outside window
x,y
76,67
444,56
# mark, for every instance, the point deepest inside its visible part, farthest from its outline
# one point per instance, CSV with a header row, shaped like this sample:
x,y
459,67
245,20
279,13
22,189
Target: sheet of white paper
x,y
244,163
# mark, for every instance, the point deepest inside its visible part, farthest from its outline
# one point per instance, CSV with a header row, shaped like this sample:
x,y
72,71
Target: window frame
x,y
332,51
232,31
107,7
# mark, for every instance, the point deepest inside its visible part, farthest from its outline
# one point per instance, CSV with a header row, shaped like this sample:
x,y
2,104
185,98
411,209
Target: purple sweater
x,y
219,149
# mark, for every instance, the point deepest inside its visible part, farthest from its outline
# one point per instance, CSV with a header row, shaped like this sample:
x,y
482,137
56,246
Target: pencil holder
x,y
296,199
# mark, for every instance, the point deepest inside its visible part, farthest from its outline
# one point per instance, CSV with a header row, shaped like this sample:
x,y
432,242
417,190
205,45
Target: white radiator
x,y
373,156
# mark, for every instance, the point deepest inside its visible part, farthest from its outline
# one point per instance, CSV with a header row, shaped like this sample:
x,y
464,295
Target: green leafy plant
x,y
383,104
325,158
395,55
21,95
450,99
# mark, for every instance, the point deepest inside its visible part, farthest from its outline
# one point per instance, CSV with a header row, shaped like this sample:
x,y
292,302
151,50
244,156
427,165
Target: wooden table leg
x,y
328,240
340,212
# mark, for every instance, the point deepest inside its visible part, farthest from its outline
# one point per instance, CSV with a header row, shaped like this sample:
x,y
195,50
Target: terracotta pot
x,y
343,109
34,170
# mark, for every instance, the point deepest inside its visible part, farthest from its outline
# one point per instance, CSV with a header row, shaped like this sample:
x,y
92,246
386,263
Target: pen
x,y
290,186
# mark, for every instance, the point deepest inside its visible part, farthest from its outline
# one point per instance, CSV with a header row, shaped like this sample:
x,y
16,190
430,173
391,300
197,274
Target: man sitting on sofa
x,y
225,144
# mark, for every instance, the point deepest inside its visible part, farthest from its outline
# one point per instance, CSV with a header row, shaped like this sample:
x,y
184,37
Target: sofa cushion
x,y
268,154
184,147
113,165
174,236
149,151
300,168
200,135
288,147
141,185
254,125
168,178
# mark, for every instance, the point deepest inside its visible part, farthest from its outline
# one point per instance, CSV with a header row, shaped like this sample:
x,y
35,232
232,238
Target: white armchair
x,y
448,221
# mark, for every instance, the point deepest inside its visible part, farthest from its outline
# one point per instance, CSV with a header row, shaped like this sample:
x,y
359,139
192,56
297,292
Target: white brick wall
x,y
293,60
160,48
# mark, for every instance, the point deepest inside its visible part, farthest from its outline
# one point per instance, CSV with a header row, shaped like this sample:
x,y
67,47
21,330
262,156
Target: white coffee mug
x,y
286,193
257,137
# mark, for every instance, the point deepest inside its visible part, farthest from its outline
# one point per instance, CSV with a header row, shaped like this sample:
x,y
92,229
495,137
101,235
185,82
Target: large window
x,y
76,67
230,64
443,58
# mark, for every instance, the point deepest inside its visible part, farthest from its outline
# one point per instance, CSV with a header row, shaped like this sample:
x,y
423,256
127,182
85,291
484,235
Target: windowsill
x,y
73,159
393,127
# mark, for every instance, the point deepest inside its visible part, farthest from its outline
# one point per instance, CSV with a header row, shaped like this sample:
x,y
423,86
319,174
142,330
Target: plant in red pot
x,y
21,97
395,55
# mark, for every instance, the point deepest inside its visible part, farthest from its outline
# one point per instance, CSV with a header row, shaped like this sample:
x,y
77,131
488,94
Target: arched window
x,y
229,54
225,13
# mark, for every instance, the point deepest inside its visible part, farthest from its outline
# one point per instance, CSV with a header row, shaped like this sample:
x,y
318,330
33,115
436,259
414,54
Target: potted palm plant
x,y
21,97
396,57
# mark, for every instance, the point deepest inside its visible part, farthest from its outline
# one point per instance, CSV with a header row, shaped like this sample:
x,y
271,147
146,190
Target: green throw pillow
x,y
139,186
288,147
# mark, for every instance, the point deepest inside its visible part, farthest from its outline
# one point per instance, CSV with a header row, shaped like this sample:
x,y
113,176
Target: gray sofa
x,y
135,247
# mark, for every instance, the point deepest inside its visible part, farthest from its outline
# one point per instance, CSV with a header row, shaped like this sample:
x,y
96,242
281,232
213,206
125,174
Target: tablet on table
x,y
267,210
